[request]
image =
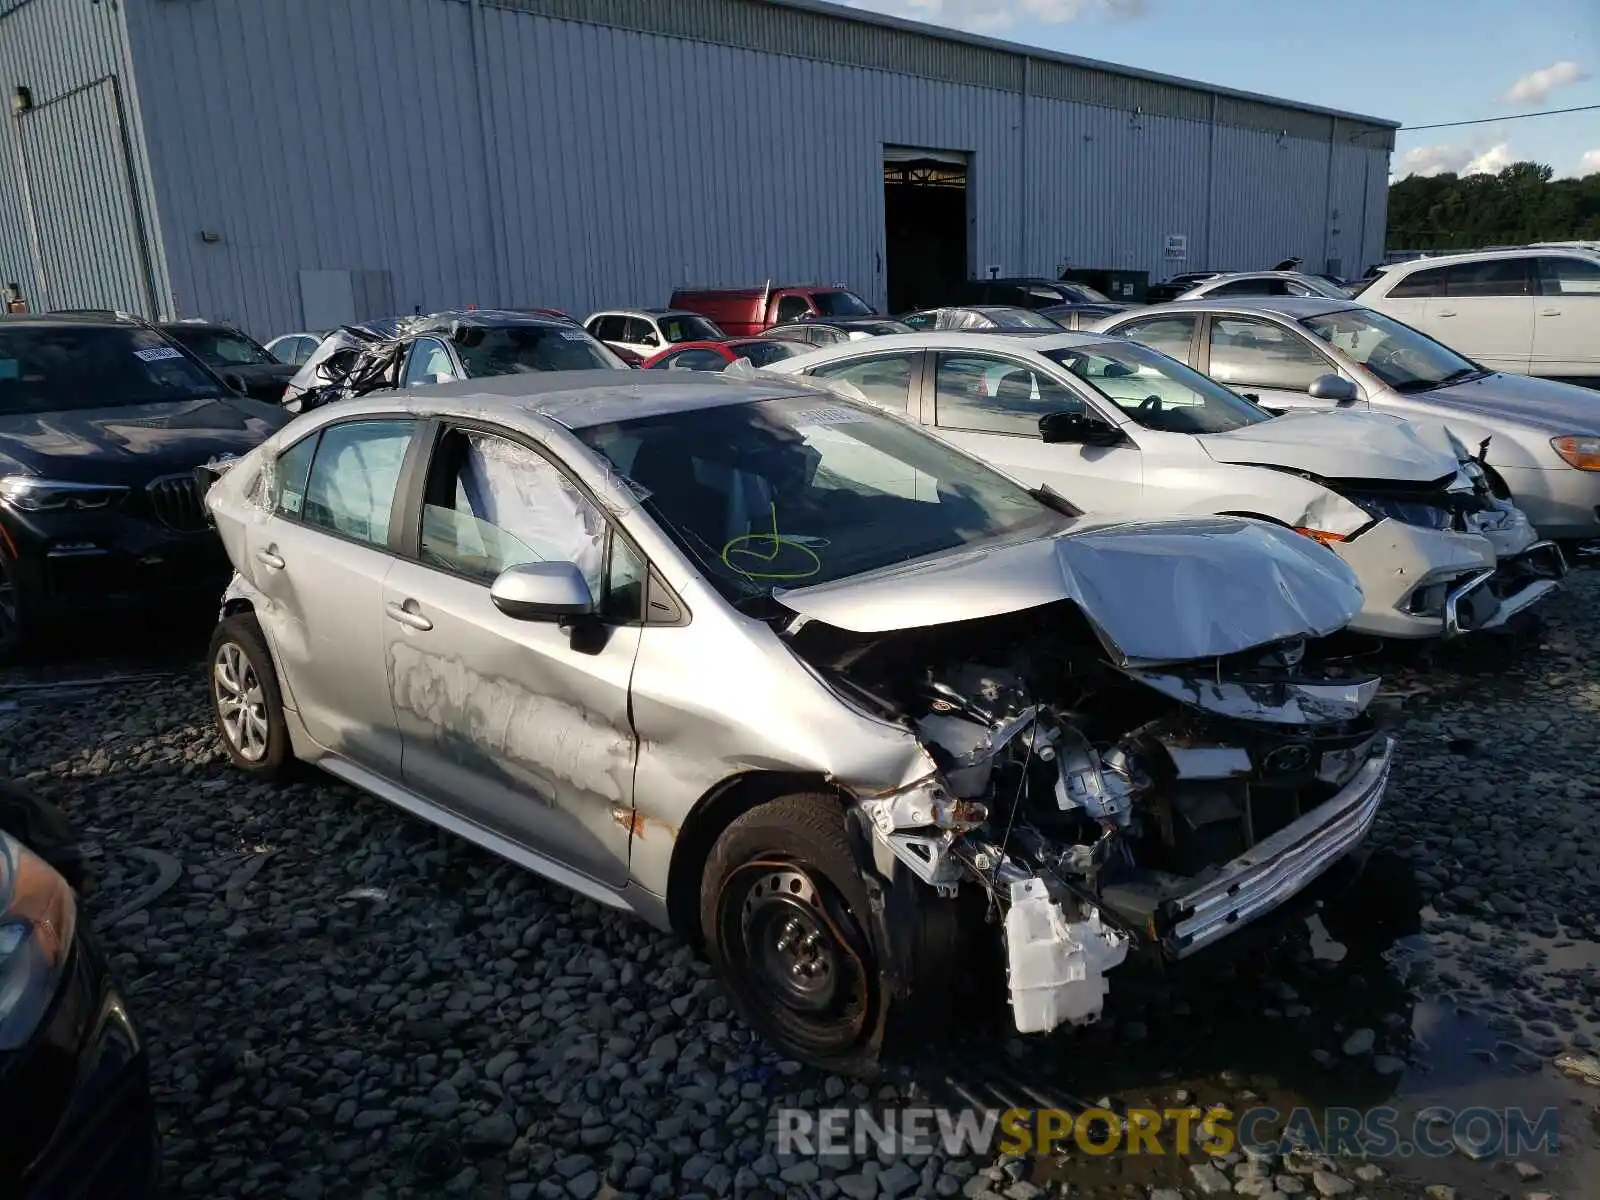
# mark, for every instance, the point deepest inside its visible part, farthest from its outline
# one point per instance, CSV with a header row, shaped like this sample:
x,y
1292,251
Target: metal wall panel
x,y
486,154
315,134
80,172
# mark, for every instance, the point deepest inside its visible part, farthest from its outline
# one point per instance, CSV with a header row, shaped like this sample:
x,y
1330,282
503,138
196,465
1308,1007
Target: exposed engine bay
x,y
1092,803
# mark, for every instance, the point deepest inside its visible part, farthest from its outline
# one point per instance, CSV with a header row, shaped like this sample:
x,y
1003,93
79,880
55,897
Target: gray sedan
x,y
790,677
1540,440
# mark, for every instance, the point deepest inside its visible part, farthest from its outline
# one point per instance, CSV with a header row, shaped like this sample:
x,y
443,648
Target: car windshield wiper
x,y
1428,385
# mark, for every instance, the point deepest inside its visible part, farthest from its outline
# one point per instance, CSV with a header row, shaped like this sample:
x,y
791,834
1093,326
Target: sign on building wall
x,y
1177,245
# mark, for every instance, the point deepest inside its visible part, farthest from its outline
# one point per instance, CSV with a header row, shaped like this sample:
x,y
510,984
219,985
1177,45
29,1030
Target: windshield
x,y
220,347
51,368
767,350
1406,360
526,349
1156,391
806,489
1323,287
689,327
1082,293
840,304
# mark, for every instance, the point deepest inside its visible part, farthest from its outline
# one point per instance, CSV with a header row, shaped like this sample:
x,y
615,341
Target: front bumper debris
x,y
1488,599
1278,866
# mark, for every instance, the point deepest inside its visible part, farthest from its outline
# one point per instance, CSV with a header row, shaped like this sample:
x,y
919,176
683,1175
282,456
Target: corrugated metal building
x,y
285,163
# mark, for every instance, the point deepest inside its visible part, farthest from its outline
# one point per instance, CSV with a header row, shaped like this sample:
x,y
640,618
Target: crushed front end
x,y
1101,806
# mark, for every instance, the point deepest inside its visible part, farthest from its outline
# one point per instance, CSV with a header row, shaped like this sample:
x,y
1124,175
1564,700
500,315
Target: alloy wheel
x,y
241,702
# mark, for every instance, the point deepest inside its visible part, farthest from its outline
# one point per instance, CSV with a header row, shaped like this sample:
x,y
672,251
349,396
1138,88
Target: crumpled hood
x,y
1155,591
1337,444
1543,404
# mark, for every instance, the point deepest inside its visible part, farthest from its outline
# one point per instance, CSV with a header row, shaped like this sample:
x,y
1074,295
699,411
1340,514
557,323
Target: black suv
x,y
243,363
102,423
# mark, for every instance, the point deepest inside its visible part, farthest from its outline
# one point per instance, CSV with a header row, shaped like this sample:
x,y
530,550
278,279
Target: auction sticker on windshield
x,y
828,415
156,353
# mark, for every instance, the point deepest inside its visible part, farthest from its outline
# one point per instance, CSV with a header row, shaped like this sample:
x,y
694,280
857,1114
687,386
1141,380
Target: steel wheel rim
x,y
241,702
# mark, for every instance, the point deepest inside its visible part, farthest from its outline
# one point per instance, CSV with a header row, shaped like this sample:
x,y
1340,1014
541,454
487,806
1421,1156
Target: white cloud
x,y
993,16
1533,87
1465,159
1589,163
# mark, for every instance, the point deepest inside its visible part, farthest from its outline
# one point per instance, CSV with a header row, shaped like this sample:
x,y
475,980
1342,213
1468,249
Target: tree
x,y
1523,203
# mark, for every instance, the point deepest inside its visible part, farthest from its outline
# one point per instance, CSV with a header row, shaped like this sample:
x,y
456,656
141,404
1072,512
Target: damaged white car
x,y
783,674
1122,429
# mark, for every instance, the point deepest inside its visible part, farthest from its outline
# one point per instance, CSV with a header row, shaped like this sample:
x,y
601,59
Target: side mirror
x,y
1333,387
1078,427
542,591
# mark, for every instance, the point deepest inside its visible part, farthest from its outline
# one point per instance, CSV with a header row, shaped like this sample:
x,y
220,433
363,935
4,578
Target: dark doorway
x,y
925,226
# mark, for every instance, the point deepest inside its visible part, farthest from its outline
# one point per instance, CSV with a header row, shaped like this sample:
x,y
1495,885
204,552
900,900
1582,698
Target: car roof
x,y
641,312
83,317
1000,340
483,318
1294,307
1445,260
581,399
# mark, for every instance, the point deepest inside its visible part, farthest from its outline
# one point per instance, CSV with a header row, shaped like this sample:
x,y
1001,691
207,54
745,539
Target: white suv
x,y
1534,311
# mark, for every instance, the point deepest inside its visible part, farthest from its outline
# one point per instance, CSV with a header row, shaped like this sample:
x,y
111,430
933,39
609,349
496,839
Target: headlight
x,y
1407,512
1580,452
37,918
29,493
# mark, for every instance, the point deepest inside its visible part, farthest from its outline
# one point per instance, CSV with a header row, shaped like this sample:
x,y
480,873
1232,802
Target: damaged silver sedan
x,y
778,671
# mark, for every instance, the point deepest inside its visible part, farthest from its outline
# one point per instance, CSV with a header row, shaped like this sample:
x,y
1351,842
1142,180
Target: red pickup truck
x,y
745,311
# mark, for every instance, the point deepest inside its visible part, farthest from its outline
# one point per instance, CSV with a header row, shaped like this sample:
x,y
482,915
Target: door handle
x,y
270,557
407,615
1449,312
1549,312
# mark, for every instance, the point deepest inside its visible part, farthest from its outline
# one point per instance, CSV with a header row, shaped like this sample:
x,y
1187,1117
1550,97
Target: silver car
x,y
785,675
1538,440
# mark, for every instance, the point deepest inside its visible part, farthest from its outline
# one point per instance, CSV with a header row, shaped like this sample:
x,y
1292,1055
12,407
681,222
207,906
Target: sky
x,y
1419,62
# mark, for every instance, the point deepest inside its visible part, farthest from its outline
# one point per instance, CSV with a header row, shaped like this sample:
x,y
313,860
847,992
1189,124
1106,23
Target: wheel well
x,y
236,606
1497,483
710,815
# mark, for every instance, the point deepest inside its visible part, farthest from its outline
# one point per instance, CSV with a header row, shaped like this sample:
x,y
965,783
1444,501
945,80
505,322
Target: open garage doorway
x,y
925,225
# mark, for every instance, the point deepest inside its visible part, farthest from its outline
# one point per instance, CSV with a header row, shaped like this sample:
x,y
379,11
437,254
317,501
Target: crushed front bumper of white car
x,y
1426,583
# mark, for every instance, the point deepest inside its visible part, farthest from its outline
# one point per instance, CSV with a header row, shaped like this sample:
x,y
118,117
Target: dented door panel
x,y
503,723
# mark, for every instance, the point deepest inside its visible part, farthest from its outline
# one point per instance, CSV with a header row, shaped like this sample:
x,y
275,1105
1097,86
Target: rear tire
x,y
784,913
245,699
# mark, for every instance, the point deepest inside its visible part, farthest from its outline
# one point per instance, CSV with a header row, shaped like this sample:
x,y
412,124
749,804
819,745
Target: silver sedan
x,y
786,675
1539,440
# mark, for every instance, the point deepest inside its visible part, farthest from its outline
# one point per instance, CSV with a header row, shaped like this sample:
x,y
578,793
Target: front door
x,y
990,405
514,725
1265,360
321,559
1566,324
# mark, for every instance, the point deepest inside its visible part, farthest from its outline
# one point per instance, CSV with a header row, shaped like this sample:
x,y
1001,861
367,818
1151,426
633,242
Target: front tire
x,y
784,911
245,700
18,626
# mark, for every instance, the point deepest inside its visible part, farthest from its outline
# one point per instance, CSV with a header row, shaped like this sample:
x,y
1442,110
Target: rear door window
x,y
1491,277
1421,284
883,379
1171,335
353,479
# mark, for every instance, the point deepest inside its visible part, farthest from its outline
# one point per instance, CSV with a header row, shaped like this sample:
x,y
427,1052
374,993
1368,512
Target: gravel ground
x,y
341,1001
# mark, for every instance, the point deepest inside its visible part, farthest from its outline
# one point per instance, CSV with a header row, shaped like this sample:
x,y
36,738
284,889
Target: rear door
x,y
519,727
321,559
1405,298
1486,312
1566,339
